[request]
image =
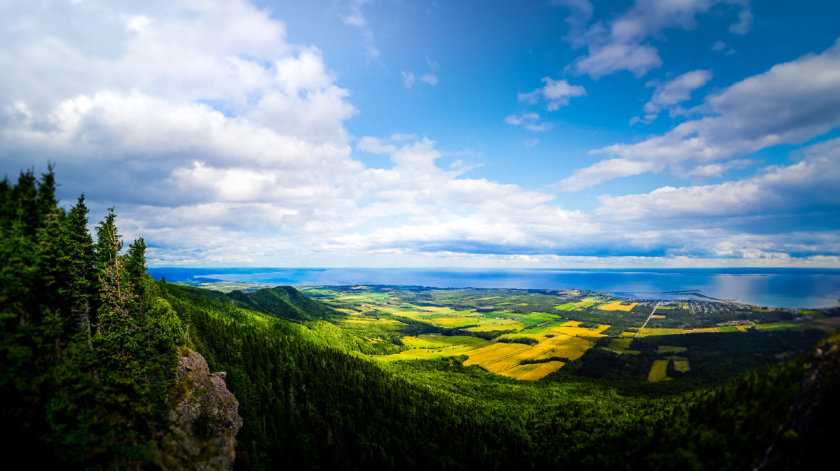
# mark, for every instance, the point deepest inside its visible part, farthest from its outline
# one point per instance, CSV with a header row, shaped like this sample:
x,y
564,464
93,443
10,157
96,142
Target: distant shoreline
x,y
772,287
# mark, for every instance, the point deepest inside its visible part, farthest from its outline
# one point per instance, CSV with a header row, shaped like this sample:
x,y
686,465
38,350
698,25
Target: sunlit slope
x,y
584,332
310,400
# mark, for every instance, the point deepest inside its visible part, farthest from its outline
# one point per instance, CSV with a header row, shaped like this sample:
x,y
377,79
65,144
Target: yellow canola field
x,y
505,358
533,371
560,346
617,306
670,349
659,371
650,331
573,328
497,357
704,330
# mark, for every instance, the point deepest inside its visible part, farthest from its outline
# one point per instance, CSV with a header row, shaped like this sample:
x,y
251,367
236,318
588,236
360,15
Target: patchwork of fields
x,y
554,348
530,334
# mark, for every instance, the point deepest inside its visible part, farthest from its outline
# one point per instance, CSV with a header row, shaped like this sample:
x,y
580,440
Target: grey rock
x,y
204,419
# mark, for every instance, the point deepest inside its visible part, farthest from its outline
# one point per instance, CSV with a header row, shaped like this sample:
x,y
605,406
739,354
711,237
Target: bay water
x,y
771,287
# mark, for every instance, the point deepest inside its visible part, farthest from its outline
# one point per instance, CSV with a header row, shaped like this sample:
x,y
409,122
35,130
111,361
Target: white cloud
x,y
530,121
623,43
431,79
603,171
675,91
182,105
231,149
718,169
517,119
611,58
555,92
408,79
779,191
356,18
375,146
790,103
535,127
744,23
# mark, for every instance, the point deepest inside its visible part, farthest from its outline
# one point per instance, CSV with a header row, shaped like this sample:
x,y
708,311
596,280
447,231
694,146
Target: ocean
x,y
771,287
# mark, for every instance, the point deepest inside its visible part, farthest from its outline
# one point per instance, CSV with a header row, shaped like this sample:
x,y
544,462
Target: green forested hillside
x,y
88,348
309,402
281,301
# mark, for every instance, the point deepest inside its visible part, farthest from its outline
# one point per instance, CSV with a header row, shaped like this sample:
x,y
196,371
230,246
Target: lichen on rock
x,y
204,419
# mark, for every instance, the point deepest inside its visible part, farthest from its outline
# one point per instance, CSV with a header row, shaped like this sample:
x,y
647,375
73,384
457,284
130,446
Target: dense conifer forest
x,y
89,344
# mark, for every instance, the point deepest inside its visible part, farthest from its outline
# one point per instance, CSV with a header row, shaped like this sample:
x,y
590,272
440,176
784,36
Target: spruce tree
x,y
134,262
6,209
113,315
77,388
83,279
51,251
25,205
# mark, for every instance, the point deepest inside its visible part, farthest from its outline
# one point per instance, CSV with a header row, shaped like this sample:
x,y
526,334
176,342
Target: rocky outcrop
x,y
809,438
204,419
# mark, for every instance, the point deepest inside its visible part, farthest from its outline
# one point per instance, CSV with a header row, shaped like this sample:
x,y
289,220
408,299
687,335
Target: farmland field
x,y
681,364
617,306
539,334
658,372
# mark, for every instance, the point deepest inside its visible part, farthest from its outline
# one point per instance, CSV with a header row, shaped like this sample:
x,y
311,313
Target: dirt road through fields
x,y
646,321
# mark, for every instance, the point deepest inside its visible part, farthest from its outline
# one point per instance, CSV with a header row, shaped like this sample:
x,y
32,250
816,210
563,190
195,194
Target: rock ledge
x,y
204,419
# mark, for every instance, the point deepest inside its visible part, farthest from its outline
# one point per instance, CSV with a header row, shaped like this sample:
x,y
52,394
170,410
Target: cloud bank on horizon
x,y
375,133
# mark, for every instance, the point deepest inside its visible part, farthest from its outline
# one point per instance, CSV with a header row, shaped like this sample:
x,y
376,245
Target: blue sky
x,y
562,133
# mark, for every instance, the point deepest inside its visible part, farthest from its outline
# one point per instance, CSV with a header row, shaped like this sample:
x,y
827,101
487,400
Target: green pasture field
x,y
508,331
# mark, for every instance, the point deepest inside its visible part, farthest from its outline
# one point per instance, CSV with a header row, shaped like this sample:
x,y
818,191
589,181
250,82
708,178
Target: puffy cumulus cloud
x,y
184,50
437,215
785,215
231,149
201,112
226,54
623,43
555,92
790,103
673,92
374,145
423,208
